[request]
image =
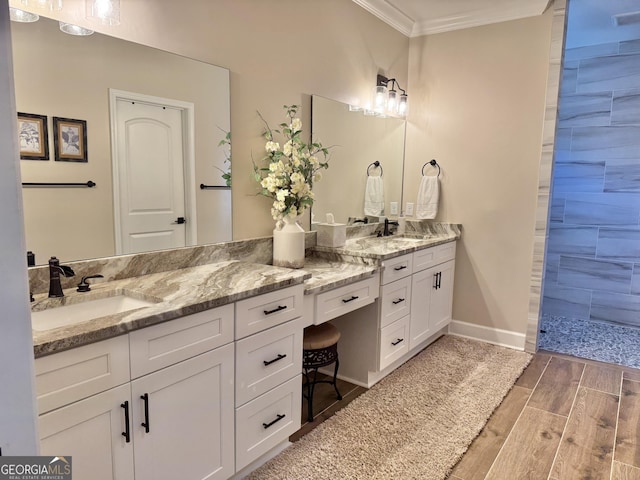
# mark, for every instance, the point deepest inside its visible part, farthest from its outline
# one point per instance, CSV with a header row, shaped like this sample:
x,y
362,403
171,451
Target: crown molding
x,y
476,19
388,14
483,13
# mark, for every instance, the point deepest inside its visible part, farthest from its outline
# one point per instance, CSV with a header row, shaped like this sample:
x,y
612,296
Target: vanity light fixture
x,y
75,29
386,97
106,12
17,15
50,5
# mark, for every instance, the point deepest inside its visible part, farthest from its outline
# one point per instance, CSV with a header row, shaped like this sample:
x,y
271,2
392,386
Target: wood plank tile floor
x,y
565,418
325,404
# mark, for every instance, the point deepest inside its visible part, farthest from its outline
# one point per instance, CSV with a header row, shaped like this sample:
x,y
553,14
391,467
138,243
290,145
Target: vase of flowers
x,y
287,178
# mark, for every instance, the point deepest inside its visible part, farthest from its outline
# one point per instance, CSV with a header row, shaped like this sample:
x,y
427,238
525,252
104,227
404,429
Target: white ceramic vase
x,y
288,243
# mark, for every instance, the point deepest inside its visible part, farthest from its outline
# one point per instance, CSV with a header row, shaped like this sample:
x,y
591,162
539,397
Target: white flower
x,y
272,146
291,170
276,167
282,194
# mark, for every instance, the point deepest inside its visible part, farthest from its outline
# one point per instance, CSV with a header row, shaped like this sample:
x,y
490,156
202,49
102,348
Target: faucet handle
x,y
84,286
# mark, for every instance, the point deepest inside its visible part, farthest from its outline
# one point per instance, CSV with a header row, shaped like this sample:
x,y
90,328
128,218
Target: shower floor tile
x,y
604,342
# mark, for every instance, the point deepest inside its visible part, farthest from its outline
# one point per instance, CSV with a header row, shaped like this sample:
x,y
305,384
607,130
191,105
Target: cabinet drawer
x,y
267,421
423,259
395,301
345,299
396,268
267,359
446,251
394,341
159,346
264,311
69,376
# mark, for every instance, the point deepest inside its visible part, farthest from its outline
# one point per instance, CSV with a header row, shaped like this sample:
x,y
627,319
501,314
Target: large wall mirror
x,y
71,77
357,141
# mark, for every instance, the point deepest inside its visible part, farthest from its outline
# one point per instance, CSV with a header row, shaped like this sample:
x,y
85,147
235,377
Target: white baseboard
x,y
496,336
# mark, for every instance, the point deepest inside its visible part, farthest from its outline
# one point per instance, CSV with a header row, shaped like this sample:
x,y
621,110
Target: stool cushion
x,y
320,336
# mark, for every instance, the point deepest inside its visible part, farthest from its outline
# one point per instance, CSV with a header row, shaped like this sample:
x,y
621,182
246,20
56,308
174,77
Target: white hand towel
x,y
428,193
374,196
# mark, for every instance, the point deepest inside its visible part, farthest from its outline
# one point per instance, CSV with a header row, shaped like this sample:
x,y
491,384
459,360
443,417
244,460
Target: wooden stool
x,y
320,348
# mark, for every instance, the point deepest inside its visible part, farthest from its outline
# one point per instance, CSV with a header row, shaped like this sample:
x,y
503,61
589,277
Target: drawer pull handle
x,y
280,307
395,302
127,433
145,424
401,267
278,418
279,357
400,340
353,297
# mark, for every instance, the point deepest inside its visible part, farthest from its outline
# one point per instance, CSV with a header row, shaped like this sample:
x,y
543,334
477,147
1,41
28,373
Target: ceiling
x,y
422,17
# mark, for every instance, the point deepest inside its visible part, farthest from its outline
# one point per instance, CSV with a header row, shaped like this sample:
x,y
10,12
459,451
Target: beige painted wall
x,y
65,76
480,96
279,52
476,105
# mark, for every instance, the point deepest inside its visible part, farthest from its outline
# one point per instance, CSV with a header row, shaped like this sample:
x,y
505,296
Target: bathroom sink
x,y
89,309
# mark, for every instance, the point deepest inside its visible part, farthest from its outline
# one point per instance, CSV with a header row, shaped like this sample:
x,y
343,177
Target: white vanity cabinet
x,y
268,400
416,293
432,288
182,419
171,415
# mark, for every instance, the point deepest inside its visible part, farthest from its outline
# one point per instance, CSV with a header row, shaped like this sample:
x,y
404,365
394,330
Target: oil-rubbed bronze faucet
x,y
55,270
387,231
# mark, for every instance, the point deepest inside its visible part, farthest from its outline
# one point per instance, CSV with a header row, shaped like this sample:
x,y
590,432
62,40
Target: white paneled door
x,y
149,176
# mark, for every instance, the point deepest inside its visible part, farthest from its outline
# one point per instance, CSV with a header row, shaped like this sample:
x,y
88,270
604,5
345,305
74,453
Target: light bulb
x,y
105,11
380,98
402,105
392,102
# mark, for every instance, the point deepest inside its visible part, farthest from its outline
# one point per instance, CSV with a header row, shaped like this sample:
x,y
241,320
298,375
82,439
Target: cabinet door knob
x,y
395,302
353,297
398,341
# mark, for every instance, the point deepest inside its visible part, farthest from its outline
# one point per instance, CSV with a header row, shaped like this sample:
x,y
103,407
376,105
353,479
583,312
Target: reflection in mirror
x,y
358,142
59,75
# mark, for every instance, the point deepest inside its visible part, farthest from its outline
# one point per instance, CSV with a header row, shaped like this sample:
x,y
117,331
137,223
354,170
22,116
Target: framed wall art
x,y
70,140
33,136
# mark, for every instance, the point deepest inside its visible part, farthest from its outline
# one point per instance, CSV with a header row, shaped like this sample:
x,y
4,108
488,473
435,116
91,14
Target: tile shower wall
x,y
593,251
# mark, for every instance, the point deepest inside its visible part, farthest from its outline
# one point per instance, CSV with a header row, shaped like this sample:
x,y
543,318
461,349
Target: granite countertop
x,y
327,274
384,248
177,293
185,291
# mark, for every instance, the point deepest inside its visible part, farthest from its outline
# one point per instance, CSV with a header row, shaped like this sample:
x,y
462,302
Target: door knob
x,y
180,220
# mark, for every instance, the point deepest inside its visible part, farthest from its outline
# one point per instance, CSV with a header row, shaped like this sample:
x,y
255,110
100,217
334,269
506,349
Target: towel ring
x,y
433,163
375,164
